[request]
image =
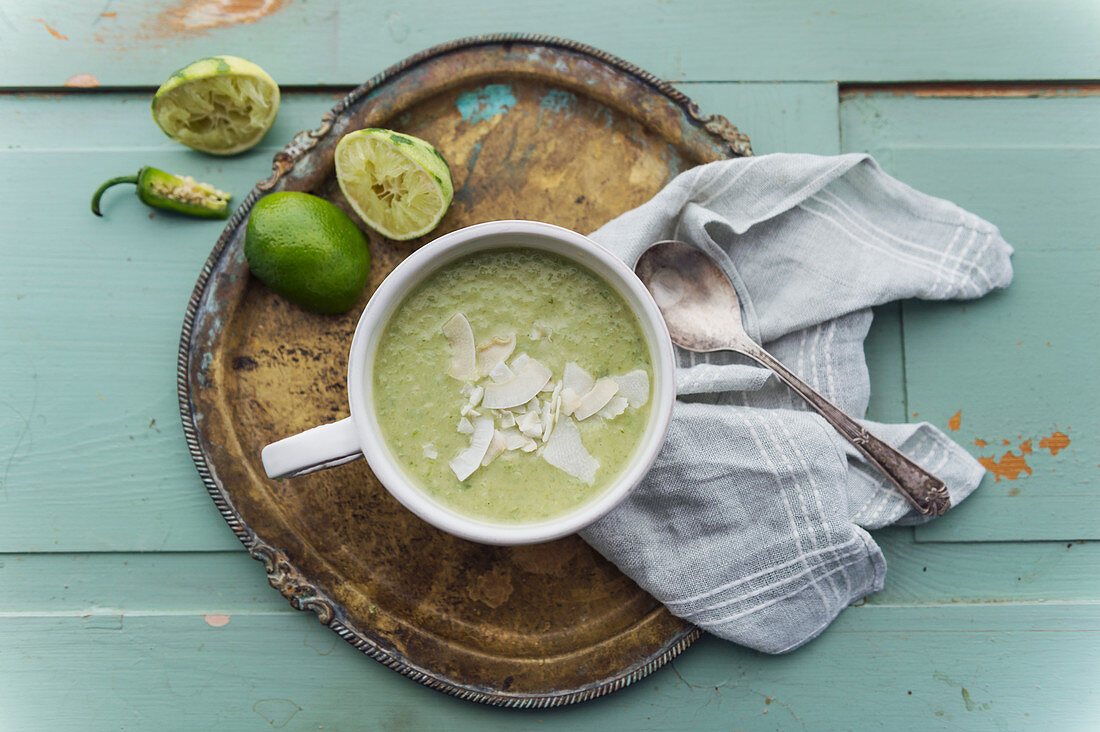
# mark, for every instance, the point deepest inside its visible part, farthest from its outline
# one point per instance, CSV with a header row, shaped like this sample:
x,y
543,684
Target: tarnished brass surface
x,y
533,128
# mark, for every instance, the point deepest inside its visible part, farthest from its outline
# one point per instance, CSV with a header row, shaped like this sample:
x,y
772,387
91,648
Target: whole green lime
x,y
307,250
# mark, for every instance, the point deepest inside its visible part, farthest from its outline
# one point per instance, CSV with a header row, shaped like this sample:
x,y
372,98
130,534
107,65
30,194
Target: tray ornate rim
x,y
281,573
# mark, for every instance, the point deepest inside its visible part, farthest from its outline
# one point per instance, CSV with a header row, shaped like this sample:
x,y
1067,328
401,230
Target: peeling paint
x,y
191,17
1057,442
53,33
1025,447
971,90
216,621
980,442
1010,466
955,422
82,81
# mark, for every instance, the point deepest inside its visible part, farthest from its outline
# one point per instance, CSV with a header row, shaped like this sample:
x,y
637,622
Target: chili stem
x,y
112,182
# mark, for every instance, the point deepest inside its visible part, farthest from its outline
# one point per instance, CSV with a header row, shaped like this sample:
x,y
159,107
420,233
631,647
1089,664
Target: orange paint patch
x,y
1025,447
53,33
955,422
1009,466
108,15
216,621
1005,442
82,81
196,16
980,443
1057,442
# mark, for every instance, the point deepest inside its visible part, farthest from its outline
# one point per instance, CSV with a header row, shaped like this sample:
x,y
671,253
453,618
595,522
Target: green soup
x,y
486,331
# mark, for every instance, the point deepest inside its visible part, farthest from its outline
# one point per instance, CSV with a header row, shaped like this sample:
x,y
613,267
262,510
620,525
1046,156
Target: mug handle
x,y
315,449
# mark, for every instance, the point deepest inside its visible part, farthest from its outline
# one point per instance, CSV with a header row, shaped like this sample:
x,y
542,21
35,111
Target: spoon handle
x,y
926,492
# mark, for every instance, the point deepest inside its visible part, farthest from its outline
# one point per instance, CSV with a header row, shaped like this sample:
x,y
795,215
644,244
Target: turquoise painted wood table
x,y
127,603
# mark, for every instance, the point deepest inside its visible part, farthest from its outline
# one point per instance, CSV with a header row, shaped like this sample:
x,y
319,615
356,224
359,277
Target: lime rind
x,y
220,105
399,185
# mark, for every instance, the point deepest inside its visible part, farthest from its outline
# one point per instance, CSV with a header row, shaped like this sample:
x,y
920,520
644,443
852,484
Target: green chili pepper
x,y
164,190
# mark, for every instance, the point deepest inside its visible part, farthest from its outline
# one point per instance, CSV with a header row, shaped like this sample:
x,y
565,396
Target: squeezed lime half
x,y
399,185
220,104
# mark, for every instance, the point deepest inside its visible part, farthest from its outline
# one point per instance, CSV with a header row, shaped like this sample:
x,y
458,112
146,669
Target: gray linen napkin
x,y
752,522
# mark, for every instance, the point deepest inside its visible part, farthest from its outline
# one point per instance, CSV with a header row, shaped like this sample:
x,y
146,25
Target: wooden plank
x,y
986,572
930,667
1031,166
110,583
141,43
877,121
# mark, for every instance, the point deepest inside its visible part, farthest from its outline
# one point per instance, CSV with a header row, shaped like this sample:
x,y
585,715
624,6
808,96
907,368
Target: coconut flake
x,y
496,447
495,352
634,386
570,400
522,387
514,439
566,452
520,361
475,395
577,379
507,419
596,399
616,406
465,426
547,420
460,336
466,462
530,424
430,452
500,373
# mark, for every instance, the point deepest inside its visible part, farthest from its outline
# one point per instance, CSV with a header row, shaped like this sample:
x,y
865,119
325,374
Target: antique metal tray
x,y
533,127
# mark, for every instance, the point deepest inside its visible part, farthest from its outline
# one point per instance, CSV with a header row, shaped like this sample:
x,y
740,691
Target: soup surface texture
x,y
512,385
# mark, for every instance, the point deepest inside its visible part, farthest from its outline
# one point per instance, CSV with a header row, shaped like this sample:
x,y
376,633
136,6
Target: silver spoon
x,y
703,314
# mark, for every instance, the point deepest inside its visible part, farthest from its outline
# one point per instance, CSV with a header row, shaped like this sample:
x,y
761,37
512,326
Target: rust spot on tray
x,y
1057,442
53,33
980,442
82,81
955,422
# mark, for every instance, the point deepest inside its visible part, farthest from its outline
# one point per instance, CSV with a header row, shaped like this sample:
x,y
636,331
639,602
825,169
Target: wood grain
x,y
1019,666
141,43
